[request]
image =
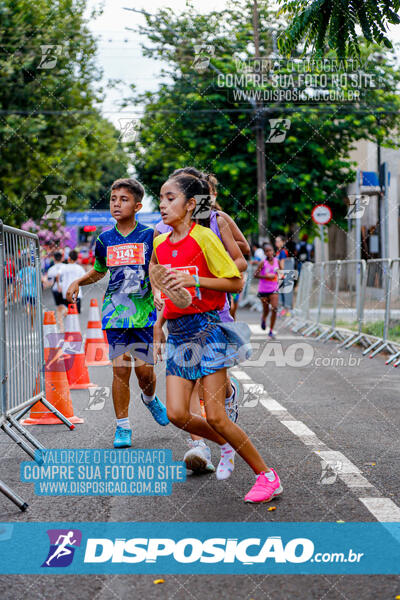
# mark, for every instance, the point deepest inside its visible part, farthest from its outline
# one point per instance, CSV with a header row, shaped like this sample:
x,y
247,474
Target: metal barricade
x,y
350,299
393,320
22,381
358,291
377,291
301,311
331,273
316,299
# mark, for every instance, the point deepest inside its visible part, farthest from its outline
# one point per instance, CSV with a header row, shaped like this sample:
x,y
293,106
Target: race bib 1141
x,y
125,254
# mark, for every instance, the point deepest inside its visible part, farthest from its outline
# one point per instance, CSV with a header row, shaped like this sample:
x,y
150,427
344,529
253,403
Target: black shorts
x,y
266,294
78,303
58,299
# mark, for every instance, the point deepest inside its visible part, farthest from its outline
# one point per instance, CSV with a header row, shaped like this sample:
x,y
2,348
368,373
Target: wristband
x,y
197,285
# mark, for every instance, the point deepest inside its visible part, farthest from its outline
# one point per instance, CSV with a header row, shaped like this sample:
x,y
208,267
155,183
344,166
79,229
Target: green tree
x,y
53,138
193,119
331,24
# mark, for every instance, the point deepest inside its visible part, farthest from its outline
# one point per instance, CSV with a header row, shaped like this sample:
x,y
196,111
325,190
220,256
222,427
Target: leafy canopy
x,y
54,140
332,24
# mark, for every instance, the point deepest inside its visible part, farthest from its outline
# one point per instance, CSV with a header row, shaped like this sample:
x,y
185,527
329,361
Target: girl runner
x,y
267,273
207,269
198,457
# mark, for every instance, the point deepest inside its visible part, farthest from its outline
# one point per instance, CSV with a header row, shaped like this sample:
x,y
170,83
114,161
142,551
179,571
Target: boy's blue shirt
x,y
128,301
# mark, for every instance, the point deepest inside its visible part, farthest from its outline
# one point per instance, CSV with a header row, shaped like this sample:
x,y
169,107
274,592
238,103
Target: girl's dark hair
x,y
188,171
213,183
194,187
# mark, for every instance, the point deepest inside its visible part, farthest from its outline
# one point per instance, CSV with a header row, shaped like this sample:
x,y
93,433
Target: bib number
x,y
125,254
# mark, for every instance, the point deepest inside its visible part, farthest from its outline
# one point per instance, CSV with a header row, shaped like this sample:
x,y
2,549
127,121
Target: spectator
x,y
304,251
27,285
258,254
69,273
52,274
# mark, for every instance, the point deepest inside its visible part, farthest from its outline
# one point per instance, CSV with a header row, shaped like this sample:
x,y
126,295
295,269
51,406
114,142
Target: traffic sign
x,y
321,214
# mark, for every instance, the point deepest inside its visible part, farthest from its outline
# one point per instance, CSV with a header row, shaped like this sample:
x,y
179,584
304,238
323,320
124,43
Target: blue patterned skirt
x,y
201,344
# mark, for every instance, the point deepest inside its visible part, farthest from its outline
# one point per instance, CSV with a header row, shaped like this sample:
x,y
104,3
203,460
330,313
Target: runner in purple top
x,y
267,273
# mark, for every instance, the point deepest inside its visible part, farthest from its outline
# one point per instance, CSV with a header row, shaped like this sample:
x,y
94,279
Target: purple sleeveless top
x,y
224,314
162,228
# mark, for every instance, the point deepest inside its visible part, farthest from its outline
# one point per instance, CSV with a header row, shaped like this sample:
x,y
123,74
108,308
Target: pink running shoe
x,y
264,490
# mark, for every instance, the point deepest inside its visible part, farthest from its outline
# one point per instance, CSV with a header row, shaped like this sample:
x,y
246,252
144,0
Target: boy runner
x,y
128,313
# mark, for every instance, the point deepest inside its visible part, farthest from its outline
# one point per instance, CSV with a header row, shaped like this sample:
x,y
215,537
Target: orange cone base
x,y
51,419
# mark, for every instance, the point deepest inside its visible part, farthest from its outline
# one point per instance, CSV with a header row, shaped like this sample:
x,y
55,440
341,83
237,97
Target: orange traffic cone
x,y
96,350
56,382
74,357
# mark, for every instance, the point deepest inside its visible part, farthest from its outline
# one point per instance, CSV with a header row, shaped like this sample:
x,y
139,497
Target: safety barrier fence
x,y
22,380
364,294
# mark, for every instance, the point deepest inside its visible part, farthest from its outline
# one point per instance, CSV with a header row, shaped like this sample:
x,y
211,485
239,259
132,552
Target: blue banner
x,y
103,218
200,548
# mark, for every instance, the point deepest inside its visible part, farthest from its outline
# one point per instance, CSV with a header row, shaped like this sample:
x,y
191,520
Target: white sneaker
x,y
198,458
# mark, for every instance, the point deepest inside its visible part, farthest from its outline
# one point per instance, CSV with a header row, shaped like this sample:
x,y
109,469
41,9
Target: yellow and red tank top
x,y
200,252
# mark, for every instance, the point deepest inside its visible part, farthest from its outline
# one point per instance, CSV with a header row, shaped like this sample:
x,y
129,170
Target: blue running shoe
x,y
231,404
158,410
123,438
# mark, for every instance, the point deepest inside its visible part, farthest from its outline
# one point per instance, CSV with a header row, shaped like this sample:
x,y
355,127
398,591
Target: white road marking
x,y
383,509
272,405
298,428
241,375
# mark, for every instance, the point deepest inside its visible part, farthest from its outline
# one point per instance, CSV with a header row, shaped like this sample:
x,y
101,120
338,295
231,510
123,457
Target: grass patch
x,y
375,328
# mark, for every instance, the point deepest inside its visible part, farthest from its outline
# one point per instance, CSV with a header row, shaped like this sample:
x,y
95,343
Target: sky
x,y
119,50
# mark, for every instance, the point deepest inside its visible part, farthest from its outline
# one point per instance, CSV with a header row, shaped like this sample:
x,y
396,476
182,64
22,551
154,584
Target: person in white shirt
x,y
51,277
258,255
69,273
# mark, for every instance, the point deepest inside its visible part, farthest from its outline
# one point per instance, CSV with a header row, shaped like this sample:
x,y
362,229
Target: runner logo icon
x,y
63,543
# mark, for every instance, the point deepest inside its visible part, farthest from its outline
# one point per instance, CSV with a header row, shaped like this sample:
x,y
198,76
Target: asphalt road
x,y
301,416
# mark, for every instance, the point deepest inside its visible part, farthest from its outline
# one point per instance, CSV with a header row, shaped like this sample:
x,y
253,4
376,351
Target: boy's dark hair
x,y
57,256
135,188
73,255
187,171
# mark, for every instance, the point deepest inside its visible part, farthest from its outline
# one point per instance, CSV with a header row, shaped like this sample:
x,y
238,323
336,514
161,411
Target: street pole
x,y
358,241
386,209
322,238
262,206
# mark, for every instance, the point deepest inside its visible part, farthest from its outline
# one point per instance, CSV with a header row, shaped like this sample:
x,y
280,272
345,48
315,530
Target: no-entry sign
x,y
321,214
